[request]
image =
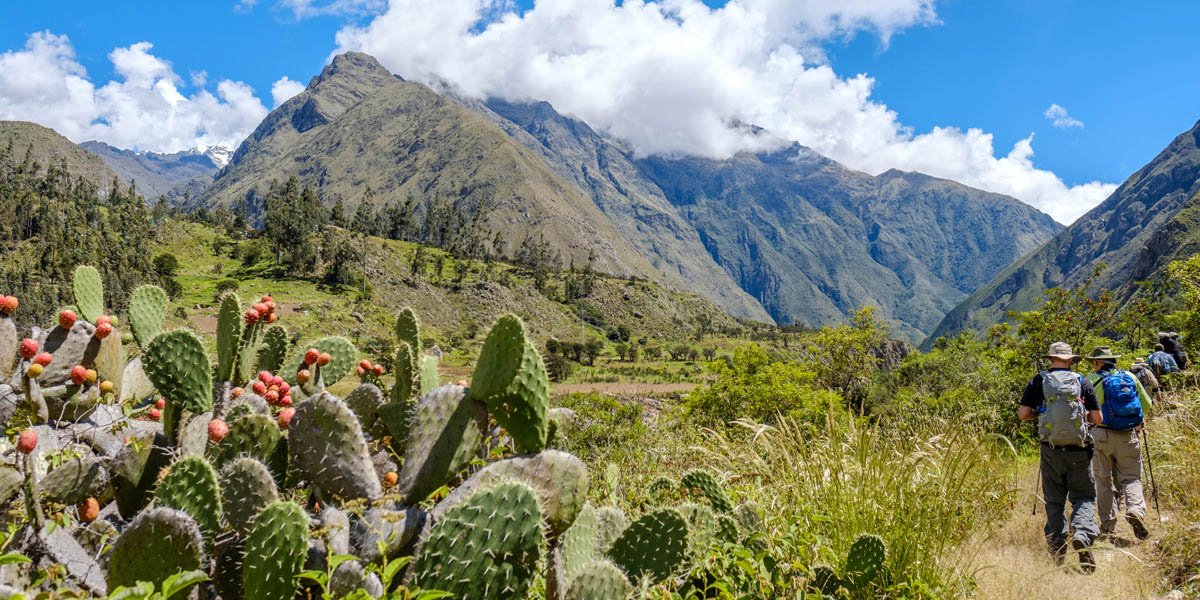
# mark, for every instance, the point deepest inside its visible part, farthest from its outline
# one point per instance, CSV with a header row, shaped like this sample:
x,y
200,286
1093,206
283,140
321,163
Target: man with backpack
x,y
1145,374
1174,347
1118,458
1161,362
1065,406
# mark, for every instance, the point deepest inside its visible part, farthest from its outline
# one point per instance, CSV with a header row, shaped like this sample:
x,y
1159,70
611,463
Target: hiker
x,y
1065,405
1173,346
1162,362
1117,463
1145,374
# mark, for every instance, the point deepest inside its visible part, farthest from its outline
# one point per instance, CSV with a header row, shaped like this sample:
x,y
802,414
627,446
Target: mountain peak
x,y
355,66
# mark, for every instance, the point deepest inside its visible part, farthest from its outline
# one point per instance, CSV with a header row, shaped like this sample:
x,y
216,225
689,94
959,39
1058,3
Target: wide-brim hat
x,y
1063,351
1102,353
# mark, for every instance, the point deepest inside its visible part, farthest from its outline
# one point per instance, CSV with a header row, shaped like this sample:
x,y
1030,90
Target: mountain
x,y
808,239
1147,222
789,236
157,173
44,144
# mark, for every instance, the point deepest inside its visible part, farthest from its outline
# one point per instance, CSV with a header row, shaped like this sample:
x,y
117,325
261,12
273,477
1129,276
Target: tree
x,y
290,223
337,212
365,219
1068,315
843,357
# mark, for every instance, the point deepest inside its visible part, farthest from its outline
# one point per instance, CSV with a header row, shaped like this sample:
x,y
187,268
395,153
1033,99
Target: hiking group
x,y
1091,454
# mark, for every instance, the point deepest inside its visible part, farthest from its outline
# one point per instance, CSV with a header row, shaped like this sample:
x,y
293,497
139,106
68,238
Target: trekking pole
x,y
1150,470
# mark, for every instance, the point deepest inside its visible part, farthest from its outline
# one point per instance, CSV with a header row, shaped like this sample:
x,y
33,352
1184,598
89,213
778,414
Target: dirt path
x,y
1012,562
624,388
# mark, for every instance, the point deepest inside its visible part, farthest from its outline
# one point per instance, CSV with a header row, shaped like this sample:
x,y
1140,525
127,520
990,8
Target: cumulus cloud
x,y
142,108
677,77
284,89
1058,116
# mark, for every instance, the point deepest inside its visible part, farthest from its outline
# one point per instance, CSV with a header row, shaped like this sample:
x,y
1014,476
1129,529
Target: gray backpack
x,y
1063,422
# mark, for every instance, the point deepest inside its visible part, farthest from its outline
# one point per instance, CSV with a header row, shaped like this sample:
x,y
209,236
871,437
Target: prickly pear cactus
x,y
443,437
9,343
229,335
396,416
428,380
610,524
864,561
511,380
661,487
327,444
147,311
825,580
748,518
408,331
653,546
191,486
560,480
247,354
579,544
69,401
350,576
108,357
341,354
275,551
69,347
10,482
246,489
365,400
252,435
405,373
159,543
388,532
702,526
727,529
178,367
600,580
89,292
274,349
75,480
486,547
706,482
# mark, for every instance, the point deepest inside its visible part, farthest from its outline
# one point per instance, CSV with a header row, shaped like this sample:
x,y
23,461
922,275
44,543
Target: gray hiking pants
x,y
1118,469
1067,475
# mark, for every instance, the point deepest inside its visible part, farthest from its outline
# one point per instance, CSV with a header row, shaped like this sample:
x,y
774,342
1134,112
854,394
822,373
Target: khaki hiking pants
x,y
1117,465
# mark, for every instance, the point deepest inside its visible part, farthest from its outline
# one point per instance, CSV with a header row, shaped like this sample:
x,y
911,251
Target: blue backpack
x,y
1122,408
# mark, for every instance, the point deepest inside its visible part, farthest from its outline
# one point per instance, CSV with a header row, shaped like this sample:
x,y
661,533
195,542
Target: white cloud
x,y
284,89
199,78
142,109
303,9
1058,116
672,76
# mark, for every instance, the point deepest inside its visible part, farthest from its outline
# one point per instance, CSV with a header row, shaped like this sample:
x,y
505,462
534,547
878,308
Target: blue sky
x,y
1126,76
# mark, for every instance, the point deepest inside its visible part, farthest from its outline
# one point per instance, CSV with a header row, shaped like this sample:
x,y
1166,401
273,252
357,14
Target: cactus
x,y
406,372
661,487
89,292
246,488
252,435
229,335
443,437
227,572
365,400
275,550
428,380
600,580
136,467
108,356
134,383
511,380
69,347
342,359
388,532
397,417
704,481
864,561
579,545
75,480
727,529
486,547
10,482
610,524
247,352
274,349
9,343
70,402
159,543
147,311
178,367
191,486
702,526
560,480
350,576
408,331
654,546
825,580
327,444
748,518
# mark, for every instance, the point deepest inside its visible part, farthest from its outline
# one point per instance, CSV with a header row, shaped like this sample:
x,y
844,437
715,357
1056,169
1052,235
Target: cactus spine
x,y
600,580
229,335
247,488
653,546
159,543
864,561
443,437
326,443
707,484
147,311
275,551
511,380
274,349
191,486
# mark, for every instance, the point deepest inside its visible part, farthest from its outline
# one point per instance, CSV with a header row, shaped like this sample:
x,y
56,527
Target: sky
x,y
1054,103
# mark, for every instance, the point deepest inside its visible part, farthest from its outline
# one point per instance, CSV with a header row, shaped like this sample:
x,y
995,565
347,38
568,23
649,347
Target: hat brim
x,y
1109,357
1070,357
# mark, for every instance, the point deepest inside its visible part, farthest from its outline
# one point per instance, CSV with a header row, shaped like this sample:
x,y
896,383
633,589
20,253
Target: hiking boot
x,y
1087,562
1139,527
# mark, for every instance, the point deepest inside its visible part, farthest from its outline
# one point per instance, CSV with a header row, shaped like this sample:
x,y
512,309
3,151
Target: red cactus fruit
x,y
161,403
389,479
310,356
259,387
303,376
43,359
271,317
103,330
78,374
217,430
26,441
235,392
89,510
286,400
29,348
377,370
323,359
155,414
365,364
8,305
284,388
66,319
265,377
272,396
251,316
285,417
103,319
360,371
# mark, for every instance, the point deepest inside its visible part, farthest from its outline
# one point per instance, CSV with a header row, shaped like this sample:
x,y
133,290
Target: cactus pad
x,y
702,526
342,358
275,551
661,487
70,348
191,486
247,352
147,311
511,380
70,402
748,518
134,383
406,373
326,443
560,480
75,480
865,560
274,349
337,525
486,547
159,543
610,524
9,343
578,544
408,331
600,580
350,576
246,489
89,292
704,481
428,380
229,335
364,400
252,435
108,357
178,367
825,580
396,417
389,531
654,546
443,437
727,529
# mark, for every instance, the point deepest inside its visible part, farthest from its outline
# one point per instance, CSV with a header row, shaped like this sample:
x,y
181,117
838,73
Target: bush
x,y
606,427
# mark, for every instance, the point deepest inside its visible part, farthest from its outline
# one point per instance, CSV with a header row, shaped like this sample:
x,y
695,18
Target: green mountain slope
x,y
44,145
1152,219
357,125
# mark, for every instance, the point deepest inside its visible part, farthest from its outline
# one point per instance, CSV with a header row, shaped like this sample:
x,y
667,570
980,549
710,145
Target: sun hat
x,y
1103,353
1061,350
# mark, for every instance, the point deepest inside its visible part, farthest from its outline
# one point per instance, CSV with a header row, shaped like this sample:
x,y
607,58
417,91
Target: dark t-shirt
x,y
1034,397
